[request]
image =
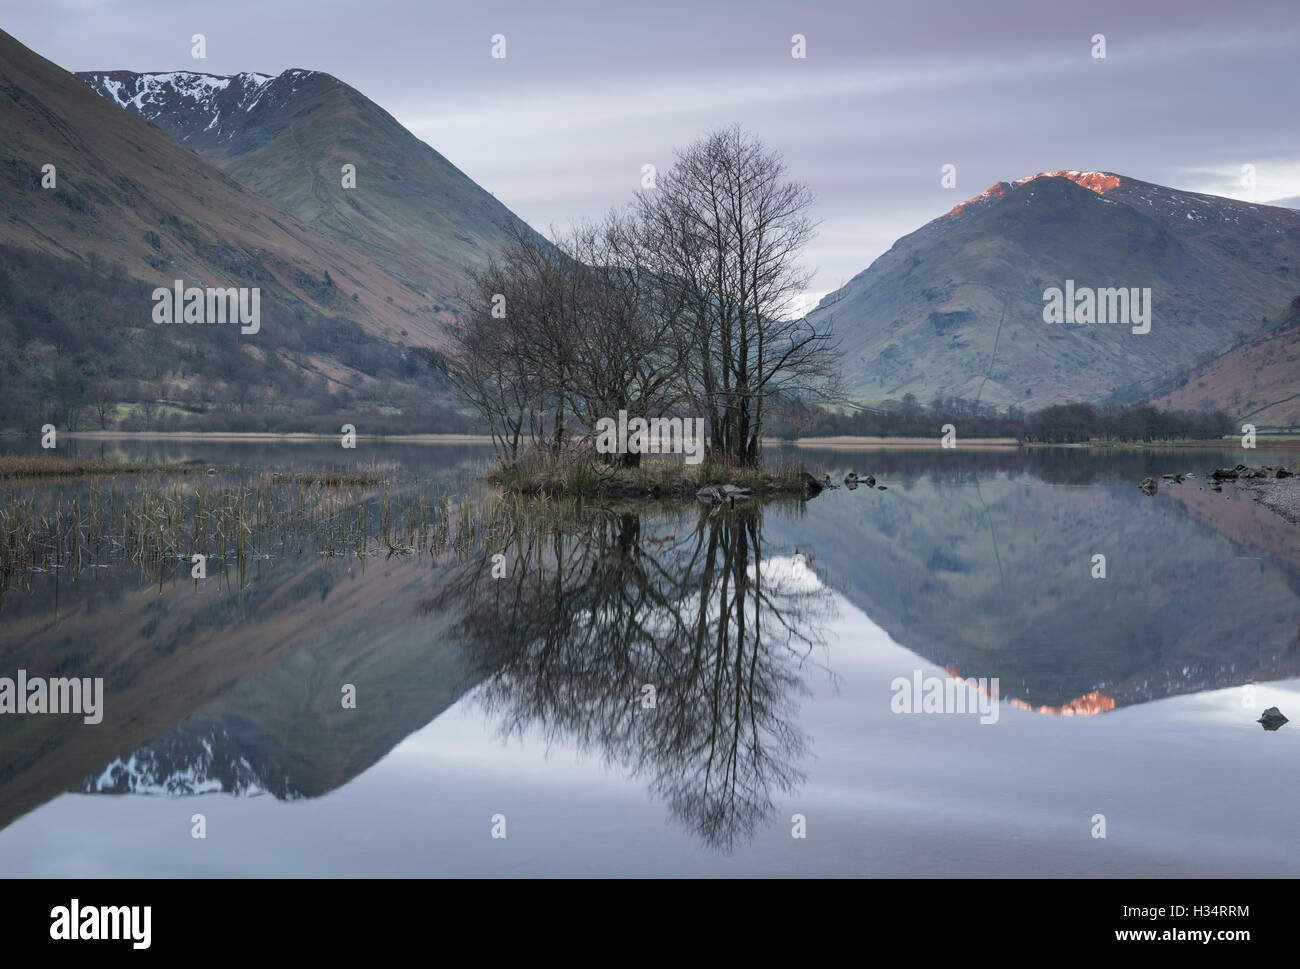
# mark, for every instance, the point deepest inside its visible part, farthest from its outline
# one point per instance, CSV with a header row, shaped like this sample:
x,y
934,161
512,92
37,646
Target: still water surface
x,y
772,638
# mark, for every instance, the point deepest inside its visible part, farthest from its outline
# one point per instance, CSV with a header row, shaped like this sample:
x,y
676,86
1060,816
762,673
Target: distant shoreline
x,y
1261,443
843,441
302,436
908,442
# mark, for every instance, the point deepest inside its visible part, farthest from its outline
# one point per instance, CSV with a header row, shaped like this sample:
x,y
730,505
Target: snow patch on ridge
x,y
149,95
183,764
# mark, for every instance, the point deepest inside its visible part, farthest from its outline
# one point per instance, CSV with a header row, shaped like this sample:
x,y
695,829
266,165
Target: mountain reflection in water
x,y
973,563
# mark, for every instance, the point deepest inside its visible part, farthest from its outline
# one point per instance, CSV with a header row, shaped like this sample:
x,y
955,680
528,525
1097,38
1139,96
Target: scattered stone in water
x,y
1272,719
1241,471
717,494
811,485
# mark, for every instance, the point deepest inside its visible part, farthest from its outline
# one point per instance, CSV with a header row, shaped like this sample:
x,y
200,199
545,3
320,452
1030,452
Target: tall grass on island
x,y
584,475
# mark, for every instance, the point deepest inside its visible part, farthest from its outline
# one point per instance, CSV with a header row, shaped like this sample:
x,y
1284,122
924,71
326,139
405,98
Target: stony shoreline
x,y
1276,487
1281,496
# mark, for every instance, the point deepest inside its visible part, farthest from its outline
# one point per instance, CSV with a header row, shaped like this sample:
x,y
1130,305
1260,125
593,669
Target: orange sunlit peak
x,y
1099,182
997,191
1087,705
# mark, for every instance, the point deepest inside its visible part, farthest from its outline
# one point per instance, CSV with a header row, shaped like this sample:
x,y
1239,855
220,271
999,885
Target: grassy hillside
x,y
288,137
126,193
1258,381
77,351
133,209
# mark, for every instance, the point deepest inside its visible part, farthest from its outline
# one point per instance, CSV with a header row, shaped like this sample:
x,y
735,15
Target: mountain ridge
x,y
132,209
955,307
288,137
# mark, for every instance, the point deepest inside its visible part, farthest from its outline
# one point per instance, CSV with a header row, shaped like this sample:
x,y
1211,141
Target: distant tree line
x,y
1074,423
1058,424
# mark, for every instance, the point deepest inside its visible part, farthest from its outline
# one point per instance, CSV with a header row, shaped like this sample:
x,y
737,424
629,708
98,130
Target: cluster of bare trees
x,y
680,304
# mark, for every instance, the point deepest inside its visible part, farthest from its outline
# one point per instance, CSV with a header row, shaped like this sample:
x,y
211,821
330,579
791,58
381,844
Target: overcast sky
x,y
589,92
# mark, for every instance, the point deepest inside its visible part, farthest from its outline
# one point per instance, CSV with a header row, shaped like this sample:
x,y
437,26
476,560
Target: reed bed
x,y
158,525
15,467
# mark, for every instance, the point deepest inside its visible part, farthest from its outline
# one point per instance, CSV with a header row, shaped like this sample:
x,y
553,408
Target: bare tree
x,y
551,336
684,299
725,228
103,396
491,358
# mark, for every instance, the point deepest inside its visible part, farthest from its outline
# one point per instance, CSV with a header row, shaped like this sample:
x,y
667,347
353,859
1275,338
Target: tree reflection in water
x,y
594,609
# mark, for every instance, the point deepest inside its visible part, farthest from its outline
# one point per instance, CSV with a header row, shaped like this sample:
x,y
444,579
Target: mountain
x,y
288,138
214,689
1257,381
132,209
1290,203
977,569
956,308
126,192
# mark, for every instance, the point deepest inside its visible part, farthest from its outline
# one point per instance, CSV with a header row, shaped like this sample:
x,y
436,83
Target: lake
x,y
931,679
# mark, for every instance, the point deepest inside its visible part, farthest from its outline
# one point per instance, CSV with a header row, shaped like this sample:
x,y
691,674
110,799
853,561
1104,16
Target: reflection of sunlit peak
x,y
1083,706
790,572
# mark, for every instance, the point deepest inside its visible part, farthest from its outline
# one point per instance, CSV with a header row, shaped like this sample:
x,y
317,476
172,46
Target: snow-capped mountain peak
x,y
211,103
